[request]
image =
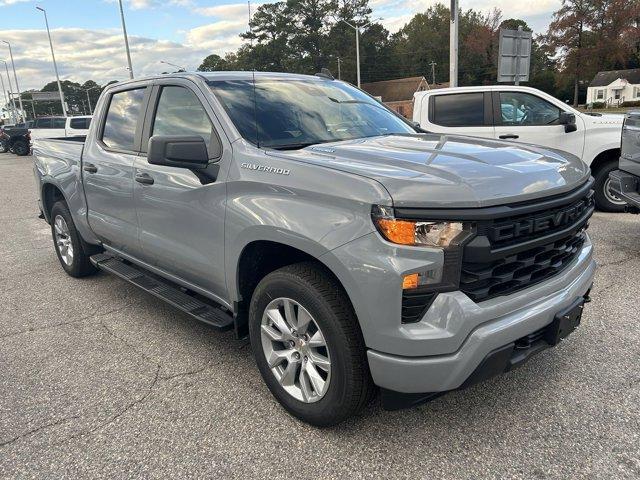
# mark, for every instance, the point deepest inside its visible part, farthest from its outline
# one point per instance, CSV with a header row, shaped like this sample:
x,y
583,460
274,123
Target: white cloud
x,y
11,2
99,55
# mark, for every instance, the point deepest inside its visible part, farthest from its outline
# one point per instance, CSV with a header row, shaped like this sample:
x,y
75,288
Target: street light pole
x,y
15,77
357,29
13,102
4,92
126,40
453,45
89,99
55,65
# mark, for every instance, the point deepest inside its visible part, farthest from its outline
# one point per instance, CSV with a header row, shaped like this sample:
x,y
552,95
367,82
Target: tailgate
x,y
630,156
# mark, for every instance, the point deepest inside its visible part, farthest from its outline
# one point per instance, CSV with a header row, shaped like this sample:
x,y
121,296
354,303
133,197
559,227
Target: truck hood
x,y
433,170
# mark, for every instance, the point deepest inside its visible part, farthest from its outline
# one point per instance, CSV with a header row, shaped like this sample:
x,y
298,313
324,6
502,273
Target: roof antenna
x,y
325,73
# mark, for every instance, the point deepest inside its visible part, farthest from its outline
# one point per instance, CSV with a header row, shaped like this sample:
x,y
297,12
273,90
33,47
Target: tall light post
x,y
174,65
453,45
89,100
12,100
4,92
15,77
55,65
126,40
357,29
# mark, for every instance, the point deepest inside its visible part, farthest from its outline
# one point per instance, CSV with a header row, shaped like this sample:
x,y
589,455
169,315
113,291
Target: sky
x,y
88,41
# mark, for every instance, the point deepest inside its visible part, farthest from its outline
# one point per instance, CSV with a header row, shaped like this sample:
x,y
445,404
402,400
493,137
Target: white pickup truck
x,y
527,115
56,127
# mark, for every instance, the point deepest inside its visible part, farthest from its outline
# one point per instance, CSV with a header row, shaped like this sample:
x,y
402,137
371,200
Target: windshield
x,y
298,113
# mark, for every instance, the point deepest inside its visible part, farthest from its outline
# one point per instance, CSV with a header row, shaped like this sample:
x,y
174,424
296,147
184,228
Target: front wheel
x,y
606,200
308,345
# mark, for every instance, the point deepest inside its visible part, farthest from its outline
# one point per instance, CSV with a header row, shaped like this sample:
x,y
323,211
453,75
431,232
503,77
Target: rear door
x,y
464,113
525,117
108,163
181,214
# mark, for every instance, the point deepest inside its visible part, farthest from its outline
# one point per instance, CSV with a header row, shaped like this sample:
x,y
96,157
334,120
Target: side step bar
x,y
207,313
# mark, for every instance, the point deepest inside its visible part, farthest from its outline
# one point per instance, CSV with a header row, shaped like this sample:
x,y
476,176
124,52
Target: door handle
x,y
90,168
509,136
144,178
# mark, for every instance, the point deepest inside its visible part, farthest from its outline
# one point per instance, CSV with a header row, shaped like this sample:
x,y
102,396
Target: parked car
x,y
625,182
15,138
54,127
353,251
524,114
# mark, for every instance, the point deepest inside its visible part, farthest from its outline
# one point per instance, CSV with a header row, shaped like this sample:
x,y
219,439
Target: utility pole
x,y
433,72
339,77
55,65
126,40
89,102
4,92
453,45
12,100
15,77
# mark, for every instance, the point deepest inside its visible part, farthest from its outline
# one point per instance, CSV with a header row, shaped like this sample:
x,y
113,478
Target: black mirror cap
x,y
567,118
184,151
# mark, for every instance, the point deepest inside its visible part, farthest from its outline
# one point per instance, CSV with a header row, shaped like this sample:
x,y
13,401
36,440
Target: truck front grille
x,y
513,253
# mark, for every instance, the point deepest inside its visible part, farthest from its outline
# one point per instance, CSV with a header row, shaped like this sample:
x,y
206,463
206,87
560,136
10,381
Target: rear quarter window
x,y
458,110
80,123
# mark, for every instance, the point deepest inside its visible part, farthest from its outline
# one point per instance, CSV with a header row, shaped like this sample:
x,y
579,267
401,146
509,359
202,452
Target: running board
x,y
210,314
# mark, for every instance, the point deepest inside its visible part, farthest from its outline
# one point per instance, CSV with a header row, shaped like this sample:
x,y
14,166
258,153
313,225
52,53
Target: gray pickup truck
x,y
356,253
625,182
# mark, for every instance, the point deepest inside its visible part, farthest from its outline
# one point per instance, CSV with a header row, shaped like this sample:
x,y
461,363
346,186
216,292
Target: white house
x,y
615,87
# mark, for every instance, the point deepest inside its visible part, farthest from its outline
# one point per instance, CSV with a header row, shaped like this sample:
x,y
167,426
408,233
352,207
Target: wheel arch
x,y
51,194
257,259
604,157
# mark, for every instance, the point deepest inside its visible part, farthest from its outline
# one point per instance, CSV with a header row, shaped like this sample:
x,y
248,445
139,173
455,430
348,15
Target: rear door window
x,y
59,123
120,124
43,123
458,110
80,123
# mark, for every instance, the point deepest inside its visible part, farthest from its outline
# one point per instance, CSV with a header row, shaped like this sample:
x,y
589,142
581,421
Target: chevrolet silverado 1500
x,y
354,252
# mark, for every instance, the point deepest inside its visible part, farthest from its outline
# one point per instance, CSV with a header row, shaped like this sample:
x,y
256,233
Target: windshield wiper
x,y
335,100
291,146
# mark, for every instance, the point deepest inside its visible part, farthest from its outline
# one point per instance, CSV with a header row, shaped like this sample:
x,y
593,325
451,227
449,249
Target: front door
x,y
107,170
181,215
525,117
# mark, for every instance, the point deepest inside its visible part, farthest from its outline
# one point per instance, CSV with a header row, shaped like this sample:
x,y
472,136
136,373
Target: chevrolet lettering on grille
x,y
538,224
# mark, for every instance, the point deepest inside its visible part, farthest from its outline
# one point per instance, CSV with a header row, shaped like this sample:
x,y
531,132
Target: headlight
x,y
436,234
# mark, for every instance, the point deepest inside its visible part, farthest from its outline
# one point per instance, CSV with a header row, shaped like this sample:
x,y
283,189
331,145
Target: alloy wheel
x,y
295,350
63,240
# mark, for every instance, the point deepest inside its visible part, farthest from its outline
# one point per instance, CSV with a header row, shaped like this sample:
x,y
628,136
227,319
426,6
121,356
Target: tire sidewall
x,y
602,202
21,144
280,284
61,210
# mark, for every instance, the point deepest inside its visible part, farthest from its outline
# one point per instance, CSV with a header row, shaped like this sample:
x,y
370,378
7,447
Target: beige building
x,y
615,87
398,94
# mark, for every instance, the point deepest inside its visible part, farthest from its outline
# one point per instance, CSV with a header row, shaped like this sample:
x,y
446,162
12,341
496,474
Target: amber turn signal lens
x,y
398,231
410,281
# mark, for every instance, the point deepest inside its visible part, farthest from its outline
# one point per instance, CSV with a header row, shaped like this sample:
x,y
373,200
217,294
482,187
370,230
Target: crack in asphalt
x,y
36,430
62,324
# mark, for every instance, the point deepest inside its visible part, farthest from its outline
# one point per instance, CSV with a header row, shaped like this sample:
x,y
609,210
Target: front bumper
x,y
429,375
626,186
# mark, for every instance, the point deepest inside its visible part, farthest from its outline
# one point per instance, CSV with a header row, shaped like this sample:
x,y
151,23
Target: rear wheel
x,y
4,146
308,345
72,252
606,200
21,147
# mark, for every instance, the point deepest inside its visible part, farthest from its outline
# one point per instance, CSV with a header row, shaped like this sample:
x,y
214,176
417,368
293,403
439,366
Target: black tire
x,y
20,147
4,146
603,202
350,387
80,265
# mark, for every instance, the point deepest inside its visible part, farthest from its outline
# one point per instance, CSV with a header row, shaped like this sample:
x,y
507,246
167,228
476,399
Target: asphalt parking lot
x,y
99,379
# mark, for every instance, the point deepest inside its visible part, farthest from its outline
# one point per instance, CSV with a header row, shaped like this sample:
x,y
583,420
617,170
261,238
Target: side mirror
x,y
569,121
178,151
